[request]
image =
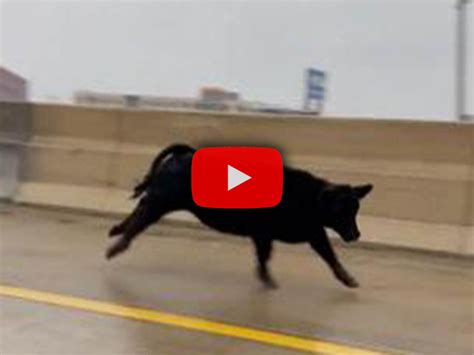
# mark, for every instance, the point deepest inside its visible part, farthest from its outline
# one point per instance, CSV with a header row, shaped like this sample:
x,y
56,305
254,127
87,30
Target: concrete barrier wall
x,y
14,134
423,172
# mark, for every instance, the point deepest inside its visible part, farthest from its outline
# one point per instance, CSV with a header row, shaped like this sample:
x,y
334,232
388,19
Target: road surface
x,y
182,290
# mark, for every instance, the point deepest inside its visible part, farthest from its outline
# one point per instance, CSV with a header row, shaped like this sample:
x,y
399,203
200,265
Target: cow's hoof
x,y
116,249
270,284
346,278
349,281
267,280
352,283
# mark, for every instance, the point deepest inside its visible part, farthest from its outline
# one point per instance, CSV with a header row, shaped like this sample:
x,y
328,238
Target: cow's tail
x,y
172,149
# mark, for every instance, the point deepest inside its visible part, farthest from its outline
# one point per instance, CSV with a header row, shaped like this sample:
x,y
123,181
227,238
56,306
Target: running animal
x,y
309,205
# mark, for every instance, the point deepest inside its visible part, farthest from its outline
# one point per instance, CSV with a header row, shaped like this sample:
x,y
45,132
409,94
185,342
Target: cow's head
x,y
340,204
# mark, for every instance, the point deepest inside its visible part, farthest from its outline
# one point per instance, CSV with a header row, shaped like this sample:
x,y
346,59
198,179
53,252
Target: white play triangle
x,y
235,177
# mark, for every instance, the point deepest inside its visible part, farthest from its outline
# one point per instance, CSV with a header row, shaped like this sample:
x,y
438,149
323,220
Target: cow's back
x,y
294,214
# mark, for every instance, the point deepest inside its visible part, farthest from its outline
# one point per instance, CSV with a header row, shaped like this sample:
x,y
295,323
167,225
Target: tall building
x,y
13,87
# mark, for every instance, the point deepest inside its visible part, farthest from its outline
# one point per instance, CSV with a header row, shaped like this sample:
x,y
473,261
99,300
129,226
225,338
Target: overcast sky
x,y
384,58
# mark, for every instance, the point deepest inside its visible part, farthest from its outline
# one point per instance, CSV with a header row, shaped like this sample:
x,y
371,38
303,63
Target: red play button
x,y
237,177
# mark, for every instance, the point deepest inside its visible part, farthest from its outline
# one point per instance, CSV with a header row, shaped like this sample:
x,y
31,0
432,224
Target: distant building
x,y
12,86
216,98
210,98
91,98
214,93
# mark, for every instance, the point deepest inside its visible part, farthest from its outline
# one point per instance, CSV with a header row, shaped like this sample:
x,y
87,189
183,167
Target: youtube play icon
x,y
237,177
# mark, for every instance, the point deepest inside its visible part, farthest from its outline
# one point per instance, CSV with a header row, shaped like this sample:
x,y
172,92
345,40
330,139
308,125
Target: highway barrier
x,y
89,158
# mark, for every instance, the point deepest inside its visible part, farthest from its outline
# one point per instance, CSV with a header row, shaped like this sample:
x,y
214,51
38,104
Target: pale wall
x,y
423,172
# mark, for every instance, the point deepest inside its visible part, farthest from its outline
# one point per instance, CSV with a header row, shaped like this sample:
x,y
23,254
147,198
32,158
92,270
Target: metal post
x,y
305,90
460,84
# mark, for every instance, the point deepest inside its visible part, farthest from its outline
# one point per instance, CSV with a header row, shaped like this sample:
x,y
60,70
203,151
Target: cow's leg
x,y
148,211
120,228
263,250
323,247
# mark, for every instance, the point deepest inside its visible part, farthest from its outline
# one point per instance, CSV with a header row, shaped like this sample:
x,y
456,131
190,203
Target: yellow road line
x,y
192,323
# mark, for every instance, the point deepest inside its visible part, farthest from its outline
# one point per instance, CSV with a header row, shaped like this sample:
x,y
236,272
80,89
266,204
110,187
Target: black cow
x,y
308,205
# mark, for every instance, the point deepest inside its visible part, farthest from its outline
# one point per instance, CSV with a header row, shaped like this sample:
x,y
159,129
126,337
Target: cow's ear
x,y
362,190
